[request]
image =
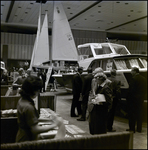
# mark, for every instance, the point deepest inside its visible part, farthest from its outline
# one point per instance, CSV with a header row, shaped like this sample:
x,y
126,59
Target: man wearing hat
x,y
76,90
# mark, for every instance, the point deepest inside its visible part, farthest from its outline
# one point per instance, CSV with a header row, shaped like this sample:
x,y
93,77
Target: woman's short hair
x,y
97,70
30,85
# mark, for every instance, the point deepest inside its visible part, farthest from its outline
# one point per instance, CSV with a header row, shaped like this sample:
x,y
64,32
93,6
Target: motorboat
x,y
107,56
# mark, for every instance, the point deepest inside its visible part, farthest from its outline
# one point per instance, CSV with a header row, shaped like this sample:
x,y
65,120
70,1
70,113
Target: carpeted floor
x,y
63,105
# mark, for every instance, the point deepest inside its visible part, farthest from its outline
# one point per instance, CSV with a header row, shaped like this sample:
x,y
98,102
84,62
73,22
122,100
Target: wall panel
x,y
1,50
20,46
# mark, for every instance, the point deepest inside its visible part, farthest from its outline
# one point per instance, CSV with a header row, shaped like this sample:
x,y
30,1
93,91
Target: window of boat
x,y
144,61
104,50
85,52
107,64
95,64
128,63
119,49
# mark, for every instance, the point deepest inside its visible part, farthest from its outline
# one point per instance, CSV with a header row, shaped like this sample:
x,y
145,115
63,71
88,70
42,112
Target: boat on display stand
x,y
108,56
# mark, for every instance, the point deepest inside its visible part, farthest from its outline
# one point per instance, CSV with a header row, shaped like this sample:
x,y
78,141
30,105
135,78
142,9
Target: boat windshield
x,y
104,49
85,52
119,49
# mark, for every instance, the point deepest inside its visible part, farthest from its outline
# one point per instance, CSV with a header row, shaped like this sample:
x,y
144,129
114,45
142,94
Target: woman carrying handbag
x,y
99,105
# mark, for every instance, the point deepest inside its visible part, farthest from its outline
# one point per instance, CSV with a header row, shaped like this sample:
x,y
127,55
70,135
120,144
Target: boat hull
x,y
59,79
124,77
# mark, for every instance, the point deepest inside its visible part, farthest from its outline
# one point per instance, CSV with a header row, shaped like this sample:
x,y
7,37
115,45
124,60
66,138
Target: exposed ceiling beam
x,y
9,12
86,9
126,23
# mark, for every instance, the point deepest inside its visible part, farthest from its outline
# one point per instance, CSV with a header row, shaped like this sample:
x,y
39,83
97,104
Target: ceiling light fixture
x,y
99,20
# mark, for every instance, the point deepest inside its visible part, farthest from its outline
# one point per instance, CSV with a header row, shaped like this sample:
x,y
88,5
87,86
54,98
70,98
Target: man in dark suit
x,y
115,86
76,90
85,93
135,99
43,75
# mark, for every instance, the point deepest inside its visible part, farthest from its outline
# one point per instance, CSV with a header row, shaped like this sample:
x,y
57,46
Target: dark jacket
x,y
4,79
87,84
137,89
77,84
115,85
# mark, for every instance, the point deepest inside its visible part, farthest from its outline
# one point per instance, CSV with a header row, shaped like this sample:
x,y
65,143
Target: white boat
x,y
108,56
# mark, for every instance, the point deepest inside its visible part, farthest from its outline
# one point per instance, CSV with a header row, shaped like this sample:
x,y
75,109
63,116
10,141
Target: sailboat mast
x,y
37,37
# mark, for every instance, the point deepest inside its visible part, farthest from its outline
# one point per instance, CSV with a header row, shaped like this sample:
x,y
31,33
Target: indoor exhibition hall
x,y
73,74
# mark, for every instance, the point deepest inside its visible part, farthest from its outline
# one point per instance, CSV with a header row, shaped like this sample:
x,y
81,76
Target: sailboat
x,y
63,45
63,52
41,47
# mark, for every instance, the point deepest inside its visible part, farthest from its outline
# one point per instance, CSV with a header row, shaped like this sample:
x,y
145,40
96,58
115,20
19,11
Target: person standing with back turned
x,y
76,90
135,99
115,86
85,93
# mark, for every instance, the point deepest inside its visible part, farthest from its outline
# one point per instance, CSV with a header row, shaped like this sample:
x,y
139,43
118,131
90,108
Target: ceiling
x,y
109,16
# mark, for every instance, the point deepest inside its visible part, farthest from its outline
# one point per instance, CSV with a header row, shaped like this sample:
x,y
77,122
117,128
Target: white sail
x,y
42,51
36,40
63,45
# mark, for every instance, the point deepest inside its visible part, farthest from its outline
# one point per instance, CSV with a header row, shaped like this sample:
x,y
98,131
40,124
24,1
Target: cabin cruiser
x,y
107,56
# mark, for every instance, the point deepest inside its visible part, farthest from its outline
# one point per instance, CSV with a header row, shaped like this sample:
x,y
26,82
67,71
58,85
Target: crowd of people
x,y
100,114
86,100
19,78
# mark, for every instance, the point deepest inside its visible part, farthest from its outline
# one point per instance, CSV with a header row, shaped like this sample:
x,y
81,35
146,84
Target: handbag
x,y
97,100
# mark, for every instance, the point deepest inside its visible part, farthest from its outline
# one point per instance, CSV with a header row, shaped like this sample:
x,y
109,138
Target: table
x,y
71,130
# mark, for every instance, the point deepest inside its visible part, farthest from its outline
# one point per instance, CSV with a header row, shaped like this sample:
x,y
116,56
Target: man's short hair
x,y
89,70
136,69
80,69
113,72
